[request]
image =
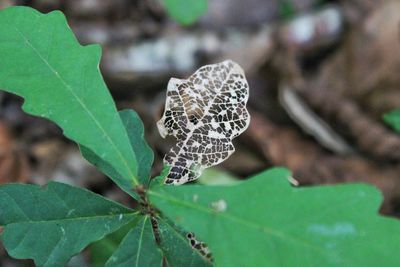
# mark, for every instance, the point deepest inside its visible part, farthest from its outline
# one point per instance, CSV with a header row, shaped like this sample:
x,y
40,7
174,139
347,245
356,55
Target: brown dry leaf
x,y
13,164
204,113
367,60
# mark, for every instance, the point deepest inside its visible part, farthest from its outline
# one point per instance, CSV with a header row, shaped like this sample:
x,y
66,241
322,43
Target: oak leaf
x,y
204,113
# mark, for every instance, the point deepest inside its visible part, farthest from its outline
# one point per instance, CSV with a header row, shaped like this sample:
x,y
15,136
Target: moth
x,y
204,113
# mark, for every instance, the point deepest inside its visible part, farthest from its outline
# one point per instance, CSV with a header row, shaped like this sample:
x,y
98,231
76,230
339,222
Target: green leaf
x,y
51,224
138,249
159,180
102,250
144,154
176,247
393,119
186,11
266,222
60,80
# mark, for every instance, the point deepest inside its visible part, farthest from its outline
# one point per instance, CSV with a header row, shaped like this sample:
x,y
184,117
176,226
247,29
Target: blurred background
x,y
321,74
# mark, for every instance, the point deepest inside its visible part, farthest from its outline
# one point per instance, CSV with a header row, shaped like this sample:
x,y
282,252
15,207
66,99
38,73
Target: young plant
x,y
262,221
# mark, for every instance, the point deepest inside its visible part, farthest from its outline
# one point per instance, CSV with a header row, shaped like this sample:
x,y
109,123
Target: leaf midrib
x,y
132,214
206,110
140,242
83,105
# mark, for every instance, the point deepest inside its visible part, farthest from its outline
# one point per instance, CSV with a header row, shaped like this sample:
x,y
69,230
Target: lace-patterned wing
x,y
204,113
